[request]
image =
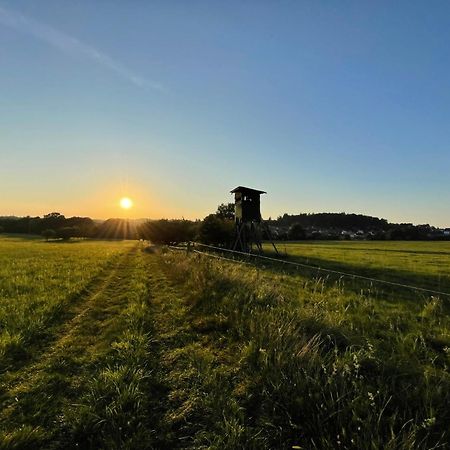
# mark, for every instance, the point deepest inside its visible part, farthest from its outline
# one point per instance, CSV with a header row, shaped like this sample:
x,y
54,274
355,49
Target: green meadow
x,y
423,264
39,281
105,344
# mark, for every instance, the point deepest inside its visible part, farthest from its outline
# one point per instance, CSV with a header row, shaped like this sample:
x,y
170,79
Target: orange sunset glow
x,y
126,203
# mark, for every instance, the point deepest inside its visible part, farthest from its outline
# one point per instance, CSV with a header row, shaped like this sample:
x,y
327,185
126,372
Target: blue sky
x,y
329,106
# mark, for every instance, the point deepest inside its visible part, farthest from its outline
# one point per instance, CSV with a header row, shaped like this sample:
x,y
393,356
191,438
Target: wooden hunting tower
x,y
248,220
247,204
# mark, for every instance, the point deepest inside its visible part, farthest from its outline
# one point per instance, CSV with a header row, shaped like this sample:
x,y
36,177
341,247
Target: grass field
x,y
423,264
105,345
38,282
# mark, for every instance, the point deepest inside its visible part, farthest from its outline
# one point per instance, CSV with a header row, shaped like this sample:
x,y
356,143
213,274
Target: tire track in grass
x,y
33,400
129,371
172,333
72,315
70,308
126,399
190,362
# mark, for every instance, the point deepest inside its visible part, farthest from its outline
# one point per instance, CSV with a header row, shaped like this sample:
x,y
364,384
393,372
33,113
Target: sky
x,y
327,106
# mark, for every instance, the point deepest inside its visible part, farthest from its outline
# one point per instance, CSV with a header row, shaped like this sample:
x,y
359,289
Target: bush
x,y
296,232
65,233
49,234
216,231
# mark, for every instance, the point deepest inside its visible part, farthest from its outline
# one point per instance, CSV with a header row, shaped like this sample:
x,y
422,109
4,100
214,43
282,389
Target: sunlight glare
x,y
126,203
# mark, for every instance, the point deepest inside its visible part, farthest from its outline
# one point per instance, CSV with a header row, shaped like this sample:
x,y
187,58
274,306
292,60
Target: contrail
x,y
71,45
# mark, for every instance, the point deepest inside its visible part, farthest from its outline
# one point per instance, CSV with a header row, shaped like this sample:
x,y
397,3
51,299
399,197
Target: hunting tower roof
x,y
246,190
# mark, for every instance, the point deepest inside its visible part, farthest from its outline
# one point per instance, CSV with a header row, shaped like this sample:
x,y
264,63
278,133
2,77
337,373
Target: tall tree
x,y
225,211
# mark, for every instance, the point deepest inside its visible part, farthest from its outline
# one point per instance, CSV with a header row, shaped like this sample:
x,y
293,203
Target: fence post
x,y
188,248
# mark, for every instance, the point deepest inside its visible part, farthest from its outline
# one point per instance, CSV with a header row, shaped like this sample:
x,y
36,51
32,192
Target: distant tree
x,y
316,235
1,229
280,235
377,236
216,231
296,232
65,233
48,234
167,232
408,232
54,215
340,221
85,225
225,211
116,229
52,221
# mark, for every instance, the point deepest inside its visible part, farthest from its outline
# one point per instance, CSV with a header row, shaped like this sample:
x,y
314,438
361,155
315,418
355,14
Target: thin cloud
x,y
71,45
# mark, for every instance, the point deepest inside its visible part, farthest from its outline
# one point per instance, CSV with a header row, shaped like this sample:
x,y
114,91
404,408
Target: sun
x,y
126,203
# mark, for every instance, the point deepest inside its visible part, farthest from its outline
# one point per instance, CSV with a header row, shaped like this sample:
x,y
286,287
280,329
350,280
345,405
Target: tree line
x,y
218,228
349,226
341,221
56,226
215,229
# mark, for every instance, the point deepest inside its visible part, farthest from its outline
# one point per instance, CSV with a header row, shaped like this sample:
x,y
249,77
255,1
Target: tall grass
x,y
290,362
114,411
177,351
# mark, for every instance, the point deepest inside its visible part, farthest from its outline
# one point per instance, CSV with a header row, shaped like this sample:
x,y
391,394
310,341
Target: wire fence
x,y
192,247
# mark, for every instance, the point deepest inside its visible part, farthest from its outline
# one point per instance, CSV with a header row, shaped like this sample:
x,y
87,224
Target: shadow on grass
x,y
81,240
433,282
319,267
338,244
299,375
